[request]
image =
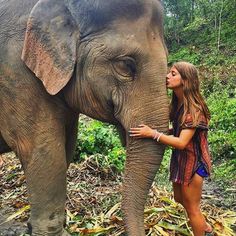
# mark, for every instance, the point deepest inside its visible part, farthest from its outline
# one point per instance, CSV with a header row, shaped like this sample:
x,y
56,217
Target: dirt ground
x,y
99,189
98,195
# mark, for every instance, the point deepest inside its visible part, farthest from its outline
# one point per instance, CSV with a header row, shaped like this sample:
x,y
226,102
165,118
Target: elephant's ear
x,y
50,44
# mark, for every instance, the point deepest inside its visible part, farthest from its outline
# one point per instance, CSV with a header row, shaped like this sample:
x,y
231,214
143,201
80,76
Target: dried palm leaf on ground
x,y
162,217
93,203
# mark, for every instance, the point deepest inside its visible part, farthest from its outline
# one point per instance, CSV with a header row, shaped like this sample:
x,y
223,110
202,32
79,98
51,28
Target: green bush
x,y
185,54
95,137
225,171
222,135
162,177
221,100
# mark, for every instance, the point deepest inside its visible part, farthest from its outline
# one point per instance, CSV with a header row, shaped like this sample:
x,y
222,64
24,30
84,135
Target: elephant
x,y
63,58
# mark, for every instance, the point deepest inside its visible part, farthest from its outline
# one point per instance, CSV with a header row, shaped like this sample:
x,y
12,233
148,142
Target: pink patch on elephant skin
x,y
39,61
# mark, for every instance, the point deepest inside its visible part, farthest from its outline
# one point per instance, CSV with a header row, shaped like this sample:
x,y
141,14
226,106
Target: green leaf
x,y
172,227
18,213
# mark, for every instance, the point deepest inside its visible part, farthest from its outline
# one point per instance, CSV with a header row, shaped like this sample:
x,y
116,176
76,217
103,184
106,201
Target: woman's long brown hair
x,y
193,101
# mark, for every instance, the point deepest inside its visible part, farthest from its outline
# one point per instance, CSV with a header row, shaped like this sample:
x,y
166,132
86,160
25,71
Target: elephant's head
x,y
109,60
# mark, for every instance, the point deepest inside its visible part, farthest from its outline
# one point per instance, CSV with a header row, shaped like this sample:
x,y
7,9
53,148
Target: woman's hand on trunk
x,y
142,131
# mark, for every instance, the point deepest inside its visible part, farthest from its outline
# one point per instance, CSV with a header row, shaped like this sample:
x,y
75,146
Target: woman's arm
x,y
144,131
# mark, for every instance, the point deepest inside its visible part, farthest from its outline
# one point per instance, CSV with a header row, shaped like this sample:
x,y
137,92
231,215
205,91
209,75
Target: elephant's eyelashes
x,y
125,67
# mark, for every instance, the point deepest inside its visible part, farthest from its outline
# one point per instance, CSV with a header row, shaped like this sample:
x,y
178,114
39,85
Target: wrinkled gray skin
x,y
60,58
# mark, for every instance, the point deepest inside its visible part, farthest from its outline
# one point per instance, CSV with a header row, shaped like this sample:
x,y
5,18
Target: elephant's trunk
x,y
144,157
143,161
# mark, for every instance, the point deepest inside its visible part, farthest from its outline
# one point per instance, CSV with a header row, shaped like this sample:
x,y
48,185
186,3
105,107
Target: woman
x,y
190,160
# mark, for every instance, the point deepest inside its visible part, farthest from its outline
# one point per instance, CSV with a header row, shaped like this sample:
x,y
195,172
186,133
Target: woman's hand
x,y
142,131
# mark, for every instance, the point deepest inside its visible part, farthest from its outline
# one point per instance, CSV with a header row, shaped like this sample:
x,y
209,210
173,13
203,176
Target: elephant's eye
x,y
126,67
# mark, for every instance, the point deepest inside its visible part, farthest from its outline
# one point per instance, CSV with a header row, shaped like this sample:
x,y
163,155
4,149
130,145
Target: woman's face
x,y
173,79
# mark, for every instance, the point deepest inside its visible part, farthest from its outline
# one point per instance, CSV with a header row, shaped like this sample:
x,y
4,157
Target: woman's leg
x,y
1,161
191,196
177,193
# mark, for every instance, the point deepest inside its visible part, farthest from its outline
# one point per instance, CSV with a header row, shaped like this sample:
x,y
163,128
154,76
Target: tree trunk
x,y
192,10
220,24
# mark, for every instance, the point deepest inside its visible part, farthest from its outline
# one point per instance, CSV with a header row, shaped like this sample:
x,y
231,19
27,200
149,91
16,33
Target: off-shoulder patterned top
x,y
184,163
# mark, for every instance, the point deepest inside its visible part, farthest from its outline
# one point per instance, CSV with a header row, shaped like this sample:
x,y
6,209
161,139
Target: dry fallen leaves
x,y
93,204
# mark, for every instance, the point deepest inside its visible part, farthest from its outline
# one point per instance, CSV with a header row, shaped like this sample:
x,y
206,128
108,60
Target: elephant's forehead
x,y
140,31
96,17
139,26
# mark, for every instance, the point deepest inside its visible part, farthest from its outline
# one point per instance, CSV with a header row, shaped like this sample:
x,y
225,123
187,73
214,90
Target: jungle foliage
x,y
97,138
203,33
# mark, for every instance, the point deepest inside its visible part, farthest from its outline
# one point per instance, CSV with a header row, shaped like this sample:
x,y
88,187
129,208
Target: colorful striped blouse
x,y
184,163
